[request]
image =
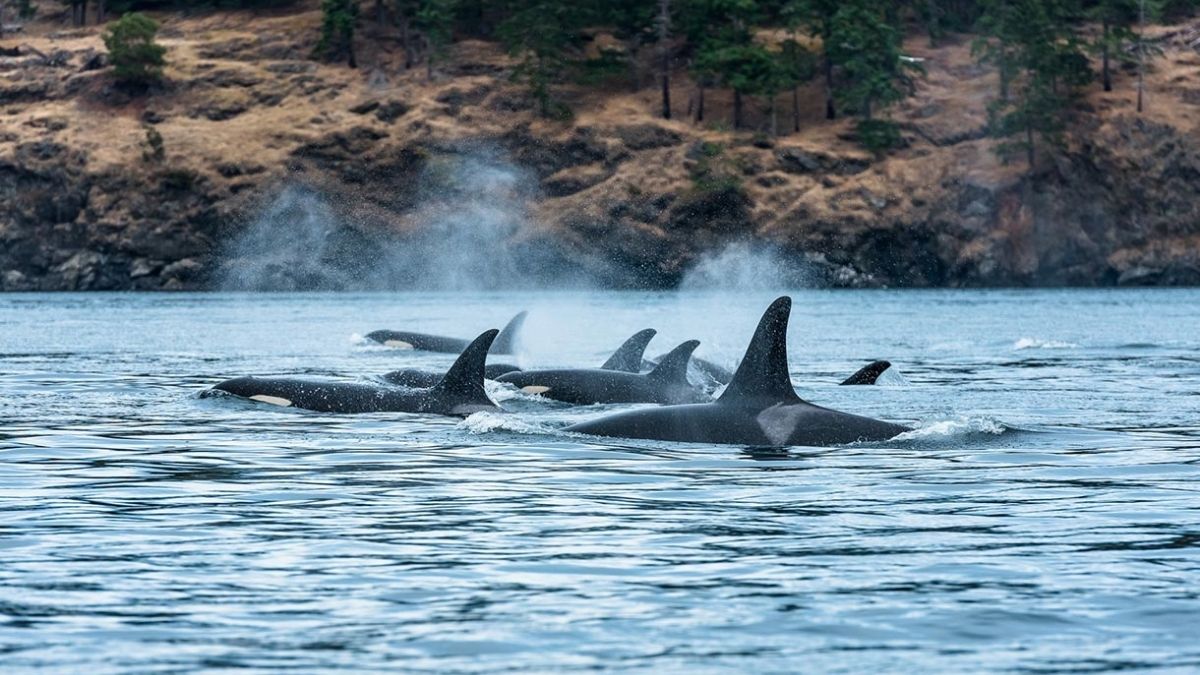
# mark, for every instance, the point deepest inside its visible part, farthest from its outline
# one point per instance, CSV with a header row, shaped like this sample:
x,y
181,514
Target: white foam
x,y
488,421
963,426
1035,343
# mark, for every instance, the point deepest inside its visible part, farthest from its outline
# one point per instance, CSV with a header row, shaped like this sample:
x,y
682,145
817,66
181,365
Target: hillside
x,y
283,172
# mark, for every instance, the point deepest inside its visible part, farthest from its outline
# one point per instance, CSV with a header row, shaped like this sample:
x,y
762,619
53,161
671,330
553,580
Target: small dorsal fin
x,y
506,341
628,357
672,368
464,381
868,373
762,375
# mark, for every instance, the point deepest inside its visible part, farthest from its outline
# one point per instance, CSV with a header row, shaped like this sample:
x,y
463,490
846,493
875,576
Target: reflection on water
x,y
1045,517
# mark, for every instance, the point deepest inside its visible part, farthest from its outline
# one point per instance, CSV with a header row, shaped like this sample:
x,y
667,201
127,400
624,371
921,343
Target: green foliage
x,y
542,34
25,9
154,151
136,58
1042,59
337,30
713,170
867,48
878,135
435,20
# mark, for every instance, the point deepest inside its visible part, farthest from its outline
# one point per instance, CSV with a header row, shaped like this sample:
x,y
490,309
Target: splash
x,y
743,266
954,429
487,422
1034,343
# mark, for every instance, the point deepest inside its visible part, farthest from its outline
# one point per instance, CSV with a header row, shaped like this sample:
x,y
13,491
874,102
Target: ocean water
x,y
1044,517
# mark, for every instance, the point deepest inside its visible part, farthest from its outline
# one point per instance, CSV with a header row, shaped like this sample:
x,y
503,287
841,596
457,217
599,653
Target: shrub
x,y
136,58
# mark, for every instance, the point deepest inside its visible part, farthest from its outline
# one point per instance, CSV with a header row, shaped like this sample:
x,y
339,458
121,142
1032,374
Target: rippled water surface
x,y
1044,517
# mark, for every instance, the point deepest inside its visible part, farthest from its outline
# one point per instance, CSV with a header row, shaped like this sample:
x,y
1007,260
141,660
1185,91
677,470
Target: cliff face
x,y
613,195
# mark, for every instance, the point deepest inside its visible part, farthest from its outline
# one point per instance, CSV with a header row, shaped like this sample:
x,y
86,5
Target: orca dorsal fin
x,y
464,381
762,375
506,341
672,368
628,357
868,373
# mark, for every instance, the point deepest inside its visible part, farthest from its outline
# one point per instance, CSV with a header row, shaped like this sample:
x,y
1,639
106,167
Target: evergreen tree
x,y
337,30
1116,18
435,20
866,47
818,15
135,57
541,33
1048,65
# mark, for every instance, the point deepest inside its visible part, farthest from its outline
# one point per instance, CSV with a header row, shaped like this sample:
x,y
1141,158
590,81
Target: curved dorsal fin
x,y
628,357
672,368
868,373
506,341
762,375
464,380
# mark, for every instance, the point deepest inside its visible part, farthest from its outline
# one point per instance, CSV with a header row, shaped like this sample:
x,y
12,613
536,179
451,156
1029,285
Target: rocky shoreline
x,y
258,140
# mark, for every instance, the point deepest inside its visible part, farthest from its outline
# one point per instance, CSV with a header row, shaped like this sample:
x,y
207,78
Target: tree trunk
x,y
380,15
1104,59
700,103
774,120
429,67
83,13
1029,144
737,110
664,54
1141,52
796,108
406,38
830,110
101,11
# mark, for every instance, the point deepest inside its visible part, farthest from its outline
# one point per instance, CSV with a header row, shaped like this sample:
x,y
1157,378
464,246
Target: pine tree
x,y
435,20
136,58
541,33
1116,18
866,48
1039,42
337,30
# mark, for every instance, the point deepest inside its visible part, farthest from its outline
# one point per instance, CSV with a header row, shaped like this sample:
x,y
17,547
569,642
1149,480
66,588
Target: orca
x,y
667,383
460,392
419,378
868,373
759,407
506,342
627,357
713,373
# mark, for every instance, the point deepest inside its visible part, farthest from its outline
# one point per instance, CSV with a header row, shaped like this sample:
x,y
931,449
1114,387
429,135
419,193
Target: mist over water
x,y
746,266
470,230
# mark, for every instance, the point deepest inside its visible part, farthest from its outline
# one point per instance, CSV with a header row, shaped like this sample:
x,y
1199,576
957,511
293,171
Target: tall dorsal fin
x,y
672,368
868,373
464,381
628,357
763,374
506,342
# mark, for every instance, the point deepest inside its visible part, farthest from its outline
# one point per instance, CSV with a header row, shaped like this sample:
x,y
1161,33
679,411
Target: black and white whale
x,y
758,408
869,373
627,357
666,384
460,391
506,342
420,378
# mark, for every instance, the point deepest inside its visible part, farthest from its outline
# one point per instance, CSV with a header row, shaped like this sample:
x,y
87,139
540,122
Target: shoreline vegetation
x,y
464,144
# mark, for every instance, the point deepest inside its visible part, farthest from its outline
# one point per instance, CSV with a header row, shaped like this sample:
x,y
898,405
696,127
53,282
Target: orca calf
x,y
667,383
627,357
758,408
505,343
868,373
418,378
460,392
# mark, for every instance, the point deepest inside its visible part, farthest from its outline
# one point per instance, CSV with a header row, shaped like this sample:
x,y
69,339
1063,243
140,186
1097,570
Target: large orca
x,y
627,357
868,373
759,407
506,342
460,392
667,383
